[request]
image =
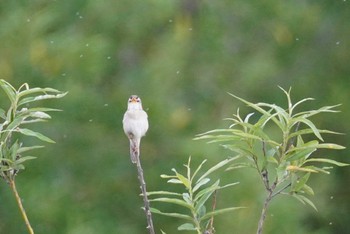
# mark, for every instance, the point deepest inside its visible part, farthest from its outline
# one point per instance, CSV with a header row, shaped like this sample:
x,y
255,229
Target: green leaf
x,y
308,190
2,114
172,201
186,227
204,195
218,166
187,198
183,179
200,183
41,97
220,211
301,182
25,149
163,193
308,123
175,215
174,181
9,90
23,159
304,200
326,160
261,110
197,170
38,135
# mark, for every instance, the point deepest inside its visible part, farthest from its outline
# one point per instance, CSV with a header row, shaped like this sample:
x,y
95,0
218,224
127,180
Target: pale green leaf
x,y
38,135
175,215
172,201
326,160
186,227
220,211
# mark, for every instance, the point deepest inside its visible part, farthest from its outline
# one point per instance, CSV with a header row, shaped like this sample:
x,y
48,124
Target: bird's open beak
x,y
133,99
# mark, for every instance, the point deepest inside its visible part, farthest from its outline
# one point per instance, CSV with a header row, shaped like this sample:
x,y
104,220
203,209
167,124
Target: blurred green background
x,y
181,57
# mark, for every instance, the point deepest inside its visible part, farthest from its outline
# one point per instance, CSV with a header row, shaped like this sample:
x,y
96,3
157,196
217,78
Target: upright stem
x,y
19,202
145,198
264,211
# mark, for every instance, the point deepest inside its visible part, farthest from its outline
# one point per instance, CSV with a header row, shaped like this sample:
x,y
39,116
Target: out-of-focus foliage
x,y
181,57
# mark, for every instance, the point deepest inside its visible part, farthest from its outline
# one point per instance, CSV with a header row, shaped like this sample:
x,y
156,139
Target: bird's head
x,y
134,103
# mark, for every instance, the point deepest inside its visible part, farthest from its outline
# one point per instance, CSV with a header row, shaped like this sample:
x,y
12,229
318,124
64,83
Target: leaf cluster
x,y
14,121
198,189
286,162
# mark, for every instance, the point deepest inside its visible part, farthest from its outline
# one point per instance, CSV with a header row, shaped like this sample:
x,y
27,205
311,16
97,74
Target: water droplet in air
x,y
81,56
330,223
77,13
106,104
177,72
51,42
28,20
87,45
109,57
297,39
90,120
170,21
80,17
331,197
190,29
337,43
63,74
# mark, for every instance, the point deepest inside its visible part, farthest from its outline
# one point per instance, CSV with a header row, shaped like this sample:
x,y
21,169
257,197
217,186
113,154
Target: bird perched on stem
x,y
135,125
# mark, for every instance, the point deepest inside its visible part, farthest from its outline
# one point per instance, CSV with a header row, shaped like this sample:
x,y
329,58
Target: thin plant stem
x,y
21,208
150,226
263,212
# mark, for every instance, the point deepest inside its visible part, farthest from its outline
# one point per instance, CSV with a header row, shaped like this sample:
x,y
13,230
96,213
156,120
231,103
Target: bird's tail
x,y
134,150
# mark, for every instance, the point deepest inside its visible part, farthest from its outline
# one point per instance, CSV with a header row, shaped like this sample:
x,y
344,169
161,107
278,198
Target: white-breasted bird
x,y
135,125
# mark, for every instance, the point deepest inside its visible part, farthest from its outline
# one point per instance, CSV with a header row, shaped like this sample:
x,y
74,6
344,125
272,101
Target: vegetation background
x,y
181,57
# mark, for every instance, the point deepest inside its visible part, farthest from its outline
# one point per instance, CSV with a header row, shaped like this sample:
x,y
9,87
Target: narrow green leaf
x,y
200,183
9,90
326,160
186,198
197,170
172,201
201,198
25,149
301,182
174,181
41,97
220,211
183,179
163,193
218,166
308,123
308,190
186,227
23,159
2,114
305,200
175,215
38,135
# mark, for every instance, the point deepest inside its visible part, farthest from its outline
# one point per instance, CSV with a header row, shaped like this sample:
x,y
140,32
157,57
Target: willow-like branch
x,y
19,202
148,213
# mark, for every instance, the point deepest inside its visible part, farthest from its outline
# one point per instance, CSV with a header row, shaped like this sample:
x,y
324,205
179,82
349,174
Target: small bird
x,y
135,125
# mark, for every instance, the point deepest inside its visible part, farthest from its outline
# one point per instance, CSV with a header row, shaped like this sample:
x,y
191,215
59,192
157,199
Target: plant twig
x,y
265,207
211,229
19,202
145,198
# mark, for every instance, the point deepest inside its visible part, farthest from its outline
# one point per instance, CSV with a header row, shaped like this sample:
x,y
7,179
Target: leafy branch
x,y
285,164
195,197
12,151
